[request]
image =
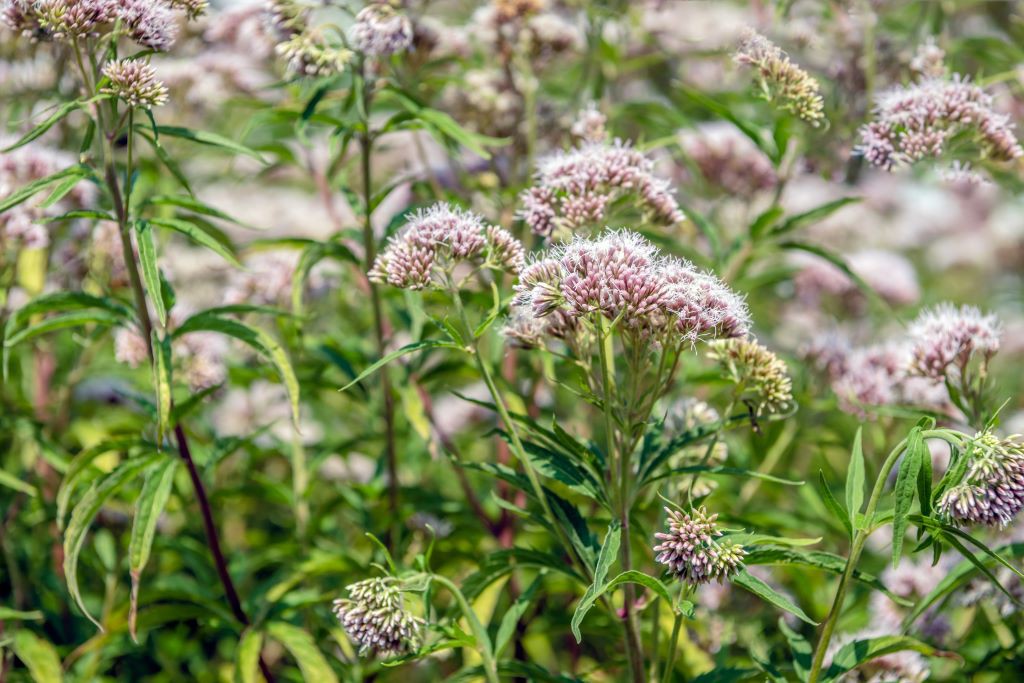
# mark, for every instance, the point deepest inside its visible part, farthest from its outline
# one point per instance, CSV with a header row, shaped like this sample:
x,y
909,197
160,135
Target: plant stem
x,y
634,646
673,644
121,206
479,633
851,563
370,253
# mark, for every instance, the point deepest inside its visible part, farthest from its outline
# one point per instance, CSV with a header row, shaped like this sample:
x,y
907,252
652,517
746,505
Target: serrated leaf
x,y
210,139
247,667
38,656
609,551
748,581
304,650
85,511
150,269
855,479
906,487
156,490
198,235
258,339
407,349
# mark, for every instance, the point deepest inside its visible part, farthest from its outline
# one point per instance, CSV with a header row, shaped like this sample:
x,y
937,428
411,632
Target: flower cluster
x,y
992,489
624,278
889,274
917,121
780,79
150,23
375,617
760,375
946,336
528,28
728,159
134,82
308,54
429,247
576,189
380,31
691,553
589,125
929,61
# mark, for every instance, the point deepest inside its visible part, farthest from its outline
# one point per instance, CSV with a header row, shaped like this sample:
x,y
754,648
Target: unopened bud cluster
x,y
992,490
763,376
375,618
691,553
781,80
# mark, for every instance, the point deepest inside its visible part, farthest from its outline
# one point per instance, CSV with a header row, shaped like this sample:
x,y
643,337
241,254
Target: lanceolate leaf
x,y
211,139
852,655
46,125
150,269
408,348
85,511
508,622
906,486
304,649
26,192
833,505
855,480
746,580
162,382
195,232
609,551
257,339
38,656
156,490
247,666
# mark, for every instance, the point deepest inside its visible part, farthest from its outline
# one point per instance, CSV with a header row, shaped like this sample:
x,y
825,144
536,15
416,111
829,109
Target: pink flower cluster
x,y
992,491
728,159
150,23
380,31
575,189
690,552
946,336
623,277
424,253
917,121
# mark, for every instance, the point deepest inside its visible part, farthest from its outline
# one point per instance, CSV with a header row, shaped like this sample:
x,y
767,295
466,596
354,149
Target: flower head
x,y
425,252
134,81
308,54
150,23
992,488
575,189
589,125
917,121
728,159
762,375
930,60
374,617
624,278
691,553
380,31
63,19
946,336
781,80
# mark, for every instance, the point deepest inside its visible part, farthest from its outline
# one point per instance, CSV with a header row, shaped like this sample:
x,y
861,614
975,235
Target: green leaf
x,y
78,467
209,139
852,655
247,668
724,471
38,656
609,551
812,216
631,576
407,349
194,205
162,381
304,649
837,261
60,322
60,192
855,479
198,235
150,269
167,160
33,188
833,505
508,622
906,487
257,339
745,579
46,125
311,255
12,482
8,614
765,220
85,511
801,650
156,490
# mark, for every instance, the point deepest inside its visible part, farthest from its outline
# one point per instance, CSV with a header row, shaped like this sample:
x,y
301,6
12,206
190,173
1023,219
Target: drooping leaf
x,y
408,348
508,622
833,505
852,655
61,111
156,490
203,137
748,581
8,614
303,648
194,231
906,487
247,666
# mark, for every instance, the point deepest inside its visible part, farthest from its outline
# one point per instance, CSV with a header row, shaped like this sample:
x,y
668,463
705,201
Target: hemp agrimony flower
x,y
917,121
381,31
589,125
575,189
946,336
690,552
375,618
134,82
992,489
426,251
760,376
308,54
781,80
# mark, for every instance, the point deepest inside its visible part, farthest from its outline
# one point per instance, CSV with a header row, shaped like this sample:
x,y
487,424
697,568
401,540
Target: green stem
x,y
479,632
673,644
634,646
851,563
